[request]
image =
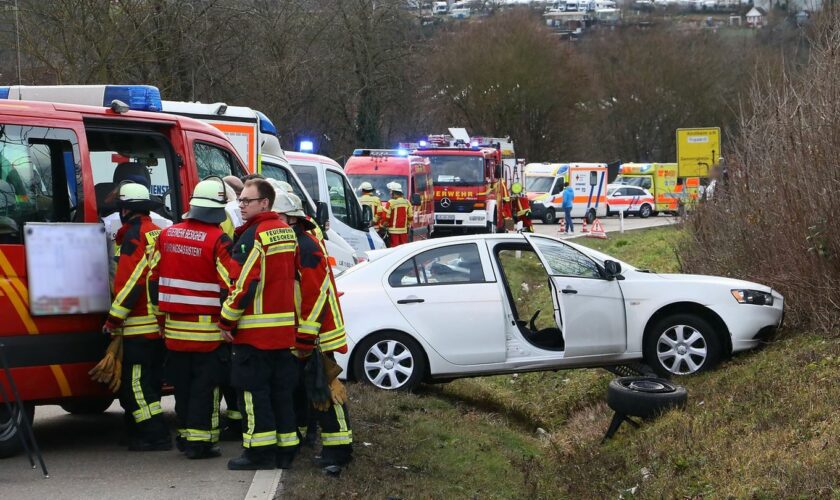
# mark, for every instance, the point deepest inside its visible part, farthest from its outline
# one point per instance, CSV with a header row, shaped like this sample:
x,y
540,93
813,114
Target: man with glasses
x,y
261,308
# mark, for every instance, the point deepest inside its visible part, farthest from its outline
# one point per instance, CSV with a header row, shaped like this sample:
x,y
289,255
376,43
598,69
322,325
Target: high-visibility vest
x,y
375,205
399,215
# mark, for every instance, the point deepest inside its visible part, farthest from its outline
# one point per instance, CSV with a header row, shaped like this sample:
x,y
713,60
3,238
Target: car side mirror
x,y
367,215
322,213
613,270
415,200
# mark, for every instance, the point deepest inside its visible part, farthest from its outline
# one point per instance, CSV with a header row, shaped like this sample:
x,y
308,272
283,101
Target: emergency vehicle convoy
x,y
663,180
60,164
471,179
381,167
544,183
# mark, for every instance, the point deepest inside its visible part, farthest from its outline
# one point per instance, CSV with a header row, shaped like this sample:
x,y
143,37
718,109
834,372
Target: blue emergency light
x,y
423,144
266,127
306,147
138,97
4,92
402,152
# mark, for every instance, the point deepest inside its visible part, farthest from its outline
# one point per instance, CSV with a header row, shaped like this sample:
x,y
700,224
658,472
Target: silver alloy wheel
x,y
682,349
388,364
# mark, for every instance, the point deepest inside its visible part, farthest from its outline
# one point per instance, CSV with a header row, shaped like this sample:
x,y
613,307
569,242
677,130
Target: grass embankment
x,y
763,425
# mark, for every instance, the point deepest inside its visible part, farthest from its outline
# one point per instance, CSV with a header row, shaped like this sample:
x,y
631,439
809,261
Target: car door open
x,y
589,307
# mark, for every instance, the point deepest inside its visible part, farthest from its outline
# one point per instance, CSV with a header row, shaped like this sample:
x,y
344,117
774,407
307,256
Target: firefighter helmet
x,y
366,186
395,186
134,196
208,201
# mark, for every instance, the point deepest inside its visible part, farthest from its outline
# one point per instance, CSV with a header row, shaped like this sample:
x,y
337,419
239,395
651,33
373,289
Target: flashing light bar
x,y
381,152
266,125
306,146
137,97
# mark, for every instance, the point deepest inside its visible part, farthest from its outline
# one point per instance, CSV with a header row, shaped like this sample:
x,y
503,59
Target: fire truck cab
x,y
383,166
59,166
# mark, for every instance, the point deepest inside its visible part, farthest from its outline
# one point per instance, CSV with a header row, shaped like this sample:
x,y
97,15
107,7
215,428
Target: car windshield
x,y
632,181
460,170
379,183
534,184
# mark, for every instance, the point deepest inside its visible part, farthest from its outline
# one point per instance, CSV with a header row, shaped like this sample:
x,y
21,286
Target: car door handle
x,y
569,290
410,301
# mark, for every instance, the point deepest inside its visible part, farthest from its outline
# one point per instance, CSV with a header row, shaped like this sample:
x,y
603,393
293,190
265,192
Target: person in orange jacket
x,y
398,215
190,277
131,316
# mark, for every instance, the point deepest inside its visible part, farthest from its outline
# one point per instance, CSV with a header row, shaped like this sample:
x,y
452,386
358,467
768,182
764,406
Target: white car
x,y
471,305
630,200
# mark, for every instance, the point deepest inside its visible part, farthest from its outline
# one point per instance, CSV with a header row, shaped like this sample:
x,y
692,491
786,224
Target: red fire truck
x,y
470,184
58,165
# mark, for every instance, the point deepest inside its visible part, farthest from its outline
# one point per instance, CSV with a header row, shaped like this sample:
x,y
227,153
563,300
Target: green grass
x,y
765,424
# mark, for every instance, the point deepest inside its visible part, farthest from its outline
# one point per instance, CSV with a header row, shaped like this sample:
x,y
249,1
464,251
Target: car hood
x,y
715,280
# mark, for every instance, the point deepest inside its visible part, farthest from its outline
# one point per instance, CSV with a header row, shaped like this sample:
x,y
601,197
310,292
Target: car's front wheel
x,y
550,217
645,211
390,361
682,344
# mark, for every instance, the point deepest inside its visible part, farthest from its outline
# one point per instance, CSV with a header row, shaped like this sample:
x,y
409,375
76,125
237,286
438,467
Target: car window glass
x,y
212,160
558,186
646,183
273,171
338,196
450,264
308,175
564,260
404,275
40,178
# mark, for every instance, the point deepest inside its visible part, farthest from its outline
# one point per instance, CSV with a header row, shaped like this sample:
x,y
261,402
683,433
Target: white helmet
x,y
283,203
208,201
366,186
395,186
132,195
286,186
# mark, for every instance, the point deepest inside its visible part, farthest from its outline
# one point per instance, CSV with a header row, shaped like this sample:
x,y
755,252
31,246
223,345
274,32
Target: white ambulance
x,y
544,183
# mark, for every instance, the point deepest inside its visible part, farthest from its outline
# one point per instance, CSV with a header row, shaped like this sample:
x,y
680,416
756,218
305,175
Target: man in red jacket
x,y
132,317
189,280
261,306
321,323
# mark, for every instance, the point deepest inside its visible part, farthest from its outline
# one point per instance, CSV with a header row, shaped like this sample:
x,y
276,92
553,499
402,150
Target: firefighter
x,y
522,207
398,215
190,278
371,200
261,306
505,204
320,323
132,318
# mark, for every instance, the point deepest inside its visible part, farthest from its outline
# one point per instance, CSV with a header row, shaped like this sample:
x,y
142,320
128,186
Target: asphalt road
x,y
85,462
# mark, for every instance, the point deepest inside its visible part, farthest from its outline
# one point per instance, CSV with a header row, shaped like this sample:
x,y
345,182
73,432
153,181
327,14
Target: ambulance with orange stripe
x,y
544,183
664,183
59,165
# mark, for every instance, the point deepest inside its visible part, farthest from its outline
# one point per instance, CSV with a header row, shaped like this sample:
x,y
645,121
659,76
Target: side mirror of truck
x,y
322,214
367,215
416,200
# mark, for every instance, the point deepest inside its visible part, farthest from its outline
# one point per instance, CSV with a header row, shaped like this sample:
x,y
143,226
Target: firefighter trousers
x,y
398,239
265,381
336,434
229,394
141,381
196,377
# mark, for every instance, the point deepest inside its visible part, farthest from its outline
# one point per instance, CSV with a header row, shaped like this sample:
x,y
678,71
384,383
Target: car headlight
x,y
753,297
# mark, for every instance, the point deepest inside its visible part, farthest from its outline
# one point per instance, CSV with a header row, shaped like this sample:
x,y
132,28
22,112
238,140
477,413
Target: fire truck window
x,y
308,175
39,178
379,183
212,160
461,170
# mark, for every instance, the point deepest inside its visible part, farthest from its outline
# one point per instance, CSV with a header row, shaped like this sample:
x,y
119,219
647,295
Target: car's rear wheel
x,y
10,443
609,213
682,344
645,211
390,361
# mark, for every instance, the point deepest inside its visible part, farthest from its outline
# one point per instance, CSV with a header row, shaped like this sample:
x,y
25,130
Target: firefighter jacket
x,y
319,312
261,304
398,215
375,205
521,206
504,199
190,277
131,313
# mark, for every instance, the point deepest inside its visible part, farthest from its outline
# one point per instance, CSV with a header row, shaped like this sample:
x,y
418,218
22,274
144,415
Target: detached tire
x,y
591,216
87,406
10,444
392,361
644,397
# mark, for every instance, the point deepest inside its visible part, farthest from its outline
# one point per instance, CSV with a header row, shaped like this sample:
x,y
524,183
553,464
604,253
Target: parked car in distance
x,y
504,303
630,200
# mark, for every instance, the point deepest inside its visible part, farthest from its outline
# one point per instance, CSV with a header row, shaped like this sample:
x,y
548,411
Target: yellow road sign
x,y
698,149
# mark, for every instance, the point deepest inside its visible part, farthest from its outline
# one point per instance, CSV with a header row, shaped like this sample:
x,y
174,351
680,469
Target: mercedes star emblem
x,y
445,202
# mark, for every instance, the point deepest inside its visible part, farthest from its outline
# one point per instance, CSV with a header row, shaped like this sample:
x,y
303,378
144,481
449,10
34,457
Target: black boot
x,y
232,431
201,450
284,458
334,457
145,444
253,460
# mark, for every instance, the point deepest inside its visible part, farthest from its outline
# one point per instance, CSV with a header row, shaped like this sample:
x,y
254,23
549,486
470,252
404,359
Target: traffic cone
x,y
597,230
562,228
584,229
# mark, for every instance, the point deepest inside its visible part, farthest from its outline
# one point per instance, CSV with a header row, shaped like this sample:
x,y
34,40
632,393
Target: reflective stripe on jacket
x,y
131,313
262,302
398,214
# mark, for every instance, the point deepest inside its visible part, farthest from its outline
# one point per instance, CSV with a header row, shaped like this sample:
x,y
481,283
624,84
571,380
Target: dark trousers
x,y
196,377
266,381
570,225
336,434
229,393
141,380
